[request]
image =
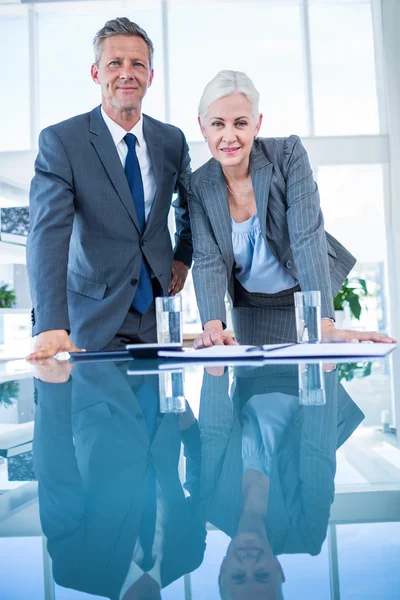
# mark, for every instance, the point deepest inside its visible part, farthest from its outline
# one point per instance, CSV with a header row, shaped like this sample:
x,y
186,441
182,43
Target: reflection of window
x,y
369,555
343,68
14,98
263,39
65,85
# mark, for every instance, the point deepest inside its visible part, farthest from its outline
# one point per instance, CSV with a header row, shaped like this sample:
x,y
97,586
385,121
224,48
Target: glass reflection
x,y
123,519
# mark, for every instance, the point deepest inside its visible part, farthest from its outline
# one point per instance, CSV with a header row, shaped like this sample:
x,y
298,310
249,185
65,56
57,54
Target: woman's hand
x,y
214,335
331,334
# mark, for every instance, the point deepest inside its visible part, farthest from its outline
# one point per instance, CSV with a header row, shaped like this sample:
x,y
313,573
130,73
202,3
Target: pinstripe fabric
x,y
303,468
264,318
291,221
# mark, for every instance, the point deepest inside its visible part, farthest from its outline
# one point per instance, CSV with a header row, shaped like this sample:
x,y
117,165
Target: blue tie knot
x,y
130,140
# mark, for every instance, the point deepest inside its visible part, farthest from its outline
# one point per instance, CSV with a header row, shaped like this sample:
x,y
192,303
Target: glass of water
x,y
311,384
308,316
172,395
169,320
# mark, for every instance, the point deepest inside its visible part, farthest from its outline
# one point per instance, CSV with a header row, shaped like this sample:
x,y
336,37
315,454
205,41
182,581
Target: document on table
x,y
337,351
273,351
222,352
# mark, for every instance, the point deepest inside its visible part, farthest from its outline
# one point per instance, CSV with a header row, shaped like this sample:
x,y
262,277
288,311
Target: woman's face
x,y
230,129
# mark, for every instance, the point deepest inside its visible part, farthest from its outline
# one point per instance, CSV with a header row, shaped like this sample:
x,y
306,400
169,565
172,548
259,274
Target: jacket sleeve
x,y
209,270
51,215
306,225
183,235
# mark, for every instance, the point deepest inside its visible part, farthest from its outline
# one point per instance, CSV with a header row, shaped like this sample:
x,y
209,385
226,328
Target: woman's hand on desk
x,y
214,335
331,334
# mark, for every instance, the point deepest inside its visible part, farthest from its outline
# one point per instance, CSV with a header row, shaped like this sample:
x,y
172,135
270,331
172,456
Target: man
x,y
99,249
116,518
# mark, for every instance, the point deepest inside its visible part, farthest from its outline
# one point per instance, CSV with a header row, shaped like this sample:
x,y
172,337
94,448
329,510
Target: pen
x,y
263,349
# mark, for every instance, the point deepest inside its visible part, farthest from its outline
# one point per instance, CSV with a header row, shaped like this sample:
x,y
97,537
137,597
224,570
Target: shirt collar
x,y
118,133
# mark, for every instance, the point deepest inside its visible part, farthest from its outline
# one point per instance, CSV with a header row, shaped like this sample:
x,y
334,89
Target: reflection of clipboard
x,y
99,355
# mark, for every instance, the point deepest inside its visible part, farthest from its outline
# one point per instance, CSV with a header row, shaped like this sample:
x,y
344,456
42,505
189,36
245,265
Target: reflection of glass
x,y
169,319
311,384
308,316
172,396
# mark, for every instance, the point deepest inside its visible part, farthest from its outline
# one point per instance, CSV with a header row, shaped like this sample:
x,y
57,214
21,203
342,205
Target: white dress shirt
x,y
118,133
135,572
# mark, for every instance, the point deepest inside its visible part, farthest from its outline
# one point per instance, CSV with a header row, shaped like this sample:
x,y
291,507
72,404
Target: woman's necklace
x,y
246,190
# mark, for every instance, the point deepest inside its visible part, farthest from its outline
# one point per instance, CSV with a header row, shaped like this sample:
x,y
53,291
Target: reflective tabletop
x,y
134,479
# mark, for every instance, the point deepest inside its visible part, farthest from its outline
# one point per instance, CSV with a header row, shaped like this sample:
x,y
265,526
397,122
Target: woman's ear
x,y
258,126
203,131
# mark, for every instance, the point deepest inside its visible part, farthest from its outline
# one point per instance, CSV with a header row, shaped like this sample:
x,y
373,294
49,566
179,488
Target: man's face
x,y
250,569
123,73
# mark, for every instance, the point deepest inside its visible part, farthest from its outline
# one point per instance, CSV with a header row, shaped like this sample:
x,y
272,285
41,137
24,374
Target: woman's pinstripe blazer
x,y
291,220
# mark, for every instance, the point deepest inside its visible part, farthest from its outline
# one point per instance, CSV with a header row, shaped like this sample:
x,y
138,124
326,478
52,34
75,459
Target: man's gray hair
x,y
120,26
226,83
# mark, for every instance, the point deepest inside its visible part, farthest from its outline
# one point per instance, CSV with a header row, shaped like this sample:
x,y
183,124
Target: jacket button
x,y
139,417
289,264
142,243
134,281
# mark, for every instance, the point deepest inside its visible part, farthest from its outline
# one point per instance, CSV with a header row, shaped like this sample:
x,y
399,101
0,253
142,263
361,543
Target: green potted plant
x,y
7,300
348,371
349,296
8,393
7,296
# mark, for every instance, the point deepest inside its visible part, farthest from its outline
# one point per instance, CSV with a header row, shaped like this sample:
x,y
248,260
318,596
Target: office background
x,y
326,70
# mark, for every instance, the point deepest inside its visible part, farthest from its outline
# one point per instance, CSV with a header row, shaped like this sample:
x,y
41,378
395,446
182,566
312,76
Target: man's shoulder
x,y
165,129
73,123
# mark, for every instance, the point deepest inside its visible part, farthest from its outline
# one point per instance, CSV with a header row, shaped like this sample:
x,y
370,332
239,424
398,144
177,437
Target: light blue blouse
x,y
255,267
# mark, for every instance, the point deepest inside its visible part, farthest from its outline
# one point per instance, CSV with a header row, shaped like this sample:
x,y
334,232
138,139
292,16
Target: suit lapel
x,y
107,152
261,170
155,147
216,200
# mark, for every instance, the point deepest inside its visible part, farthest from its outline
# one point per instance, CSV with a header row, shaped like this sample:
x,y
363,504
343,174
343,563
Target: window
x,y
262,39
14,98
343,67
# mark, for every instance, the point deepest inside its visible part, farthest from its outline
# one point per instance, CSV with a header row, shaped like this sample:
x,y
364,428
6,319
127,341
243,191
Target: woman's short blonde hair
x,y
226,83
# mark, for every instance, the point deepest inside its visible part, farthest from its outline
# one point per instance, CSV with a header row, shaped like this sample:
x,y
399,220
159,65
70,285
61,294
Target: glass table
x,y
129,479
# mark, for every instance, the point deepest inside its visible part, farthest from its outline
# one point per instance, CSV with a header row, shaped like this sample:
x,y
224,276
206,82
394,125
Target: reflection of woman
x,y
258,230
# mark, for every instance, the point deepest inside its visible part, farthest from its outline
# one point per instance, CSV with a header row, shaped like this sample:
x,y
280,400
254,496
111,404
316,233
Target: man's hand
x,y
51,370
179,274
49,343
331,334
214,335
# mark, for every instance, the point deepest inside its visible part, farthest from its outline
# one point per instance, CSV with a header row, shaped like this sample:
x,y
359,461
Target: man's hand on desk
x,y
214,335
51,370
50,343
179,274
331,334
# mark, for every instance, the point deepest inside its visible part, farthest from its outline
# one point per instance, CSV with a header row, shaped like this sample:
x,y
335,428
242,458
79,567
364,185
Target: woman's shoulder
x,y
281,151
202,173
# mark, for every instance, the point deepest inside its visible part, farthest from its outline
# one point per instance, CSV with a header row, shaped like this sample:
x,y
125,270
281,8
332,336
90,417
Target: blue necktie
x,y
149,403
144,294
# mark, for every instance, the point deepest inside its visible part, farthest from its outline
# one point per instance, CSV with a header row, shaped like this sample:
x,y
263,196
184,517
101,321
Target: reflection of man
x,y
99,249
111,503
268,468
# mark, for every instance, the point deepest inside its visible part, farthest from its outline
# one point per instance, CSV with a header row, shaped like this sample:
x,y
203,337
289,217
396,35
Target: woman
x,y
258,230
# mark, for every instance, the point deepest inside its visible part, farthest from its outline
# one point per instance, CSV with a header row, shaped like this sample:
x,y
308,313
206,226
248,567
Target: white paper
x,y
224,352
344,350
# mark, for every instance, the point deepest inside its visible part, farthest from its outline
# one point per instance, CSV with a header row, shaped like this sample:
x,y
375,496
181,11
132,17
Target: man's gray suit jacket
x,y
291,220
85,246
